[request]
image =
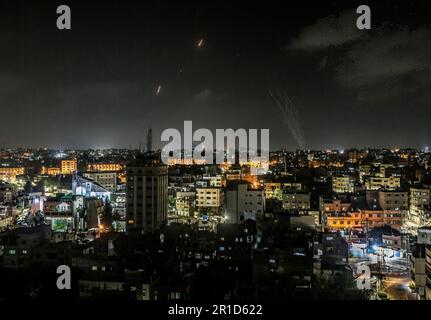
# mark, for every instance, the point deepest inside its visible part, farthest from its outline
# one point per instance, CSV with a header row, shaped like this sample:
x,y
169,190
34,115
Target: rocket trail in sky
x,y
290,116
158,90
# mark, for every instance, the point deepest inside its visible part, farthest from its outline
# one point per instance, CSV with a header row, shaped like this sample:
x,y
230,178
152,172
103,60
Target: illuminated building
x,y
185,203
118,202
50,171
53,171
273,190
419,211
233,175
147,194
105,167
6,222
383,169
364,171
69,166
243,202
252,179
72,212
122,177
214,181
107,180
365,219
210,181
420,197
335,206
209,200
63,212
376,183
10,173
180,161
342,184
89,188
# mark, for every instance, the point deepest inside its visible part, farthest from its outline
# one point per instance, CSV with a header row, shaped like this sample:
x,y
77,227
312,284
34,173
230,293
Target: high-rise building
x,y
147,193
149,140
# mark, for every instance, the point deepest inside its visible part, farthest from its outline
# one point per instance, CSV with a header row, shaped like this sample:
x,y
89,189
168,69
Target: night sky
x,y
96,86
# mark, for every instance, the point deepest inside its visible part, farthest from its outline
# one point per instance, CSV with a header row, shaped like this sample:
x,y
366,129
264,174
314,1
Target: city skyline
x,y
125,68
214,158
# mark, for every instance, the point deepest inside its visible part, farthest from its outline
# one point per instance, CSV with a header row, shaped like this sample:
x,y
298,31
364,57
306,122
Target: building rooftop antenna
x,y
150,140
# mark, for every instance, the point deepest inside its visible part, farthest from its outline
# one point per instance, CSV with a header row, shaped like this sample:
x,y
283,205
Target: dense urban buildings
x,y
206,153
146,194
308,226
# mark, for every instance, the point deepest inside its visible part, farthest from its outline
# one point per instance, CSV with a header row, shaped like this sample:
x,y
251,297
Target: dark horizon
x,y
125,67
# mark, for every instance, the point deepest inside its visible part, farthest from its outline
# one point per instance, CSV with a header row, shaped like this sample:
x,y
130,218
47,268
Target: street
x,y
395,270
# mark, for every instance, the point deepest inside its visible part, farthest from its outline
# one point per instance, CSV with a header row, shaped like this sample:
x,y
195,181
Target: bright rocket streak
x,y
159,88
200,43
289,116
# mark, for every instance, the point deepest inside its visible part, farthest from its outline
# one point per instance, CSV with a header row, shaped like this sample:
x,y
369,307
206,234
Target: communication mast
x,y
149,140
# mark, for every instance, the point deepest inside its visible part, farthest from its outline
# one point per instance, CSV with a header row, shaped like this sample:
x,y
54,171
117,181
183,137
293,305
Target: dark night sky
x,y
95,86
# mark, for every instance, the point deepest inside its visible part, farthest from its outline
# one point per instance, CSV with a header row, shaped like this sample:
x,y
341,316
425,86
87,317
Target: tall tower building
x,y
147,193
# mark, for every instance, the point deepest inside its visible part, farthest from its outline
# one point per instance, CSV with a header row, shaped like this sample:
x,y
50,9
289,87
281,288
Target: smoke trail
x,y
290,116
